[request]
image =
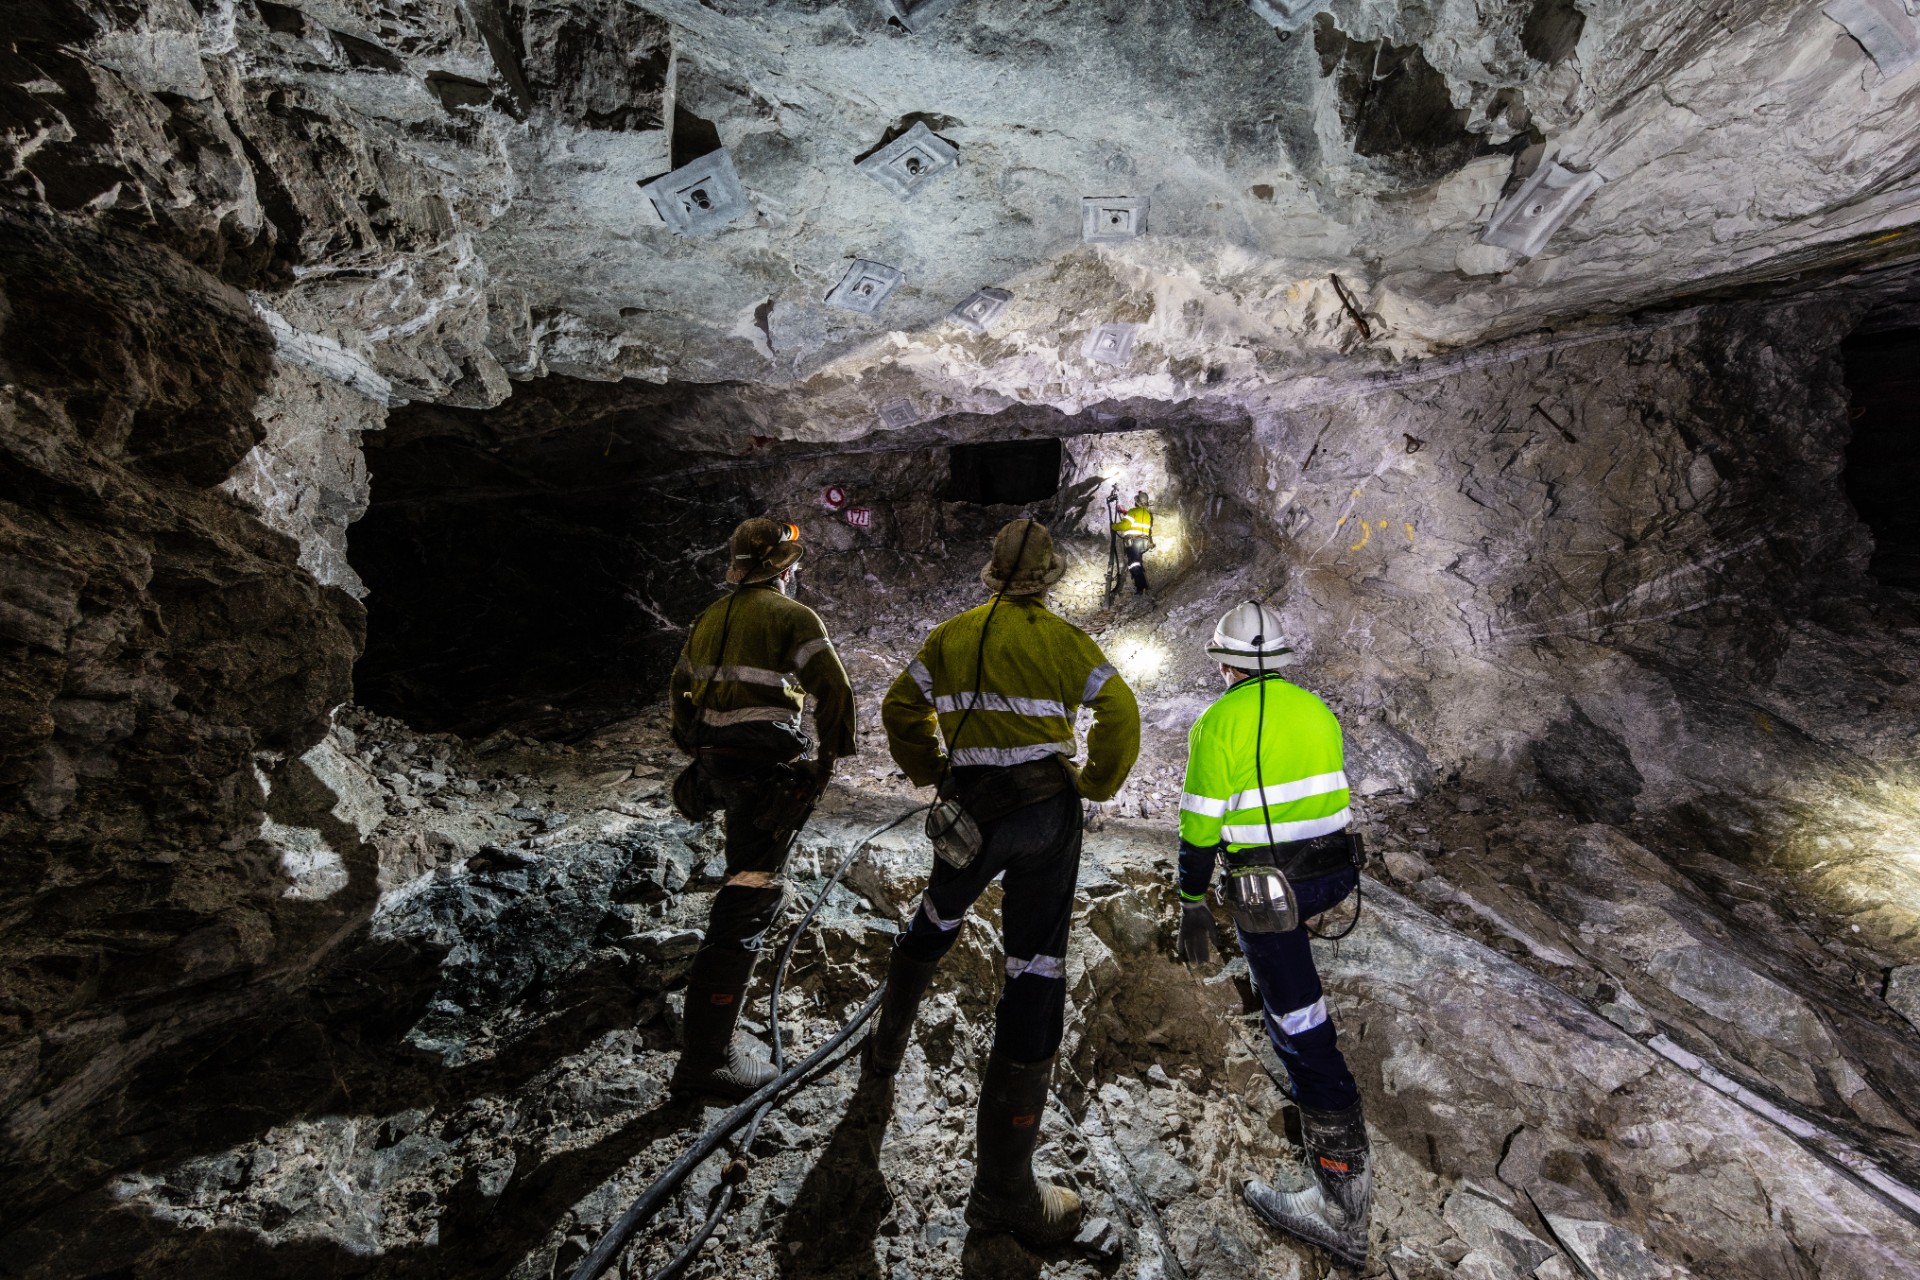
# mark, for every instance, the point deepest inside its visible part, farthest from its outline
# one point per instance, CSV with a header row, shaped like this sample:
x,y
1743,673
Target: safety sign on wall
x,y
860,517
833,497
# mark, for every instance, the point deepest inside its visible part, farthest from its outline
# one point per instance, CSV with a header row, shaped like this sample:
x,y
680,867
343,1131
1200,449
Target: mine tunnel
x,y
391,394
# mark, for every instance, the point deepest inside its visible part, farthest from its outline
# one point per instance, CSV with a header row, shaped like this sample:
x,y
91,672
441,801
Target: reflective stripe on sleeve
x,y
1096,681
741,675
1284,792
1304,1019
922,677
1205,806
1000,702
934,918
1004,756
1039,967
808,651
749,715
1306,829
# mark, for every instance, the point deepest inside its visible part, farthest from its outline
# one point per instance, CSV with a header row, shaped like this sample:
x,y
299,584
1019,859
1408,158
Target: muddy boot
x,y
907,982
716,1060
1005,1195
1332,1212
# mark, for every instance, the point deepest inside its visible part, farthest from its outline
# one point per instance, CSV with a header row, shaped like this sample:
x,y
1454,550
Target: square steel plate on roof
x,y
699,198
1111,219
1111,344
910,161
915,15
864,287
1884,29
898,415
1526,219
981,308
1288,15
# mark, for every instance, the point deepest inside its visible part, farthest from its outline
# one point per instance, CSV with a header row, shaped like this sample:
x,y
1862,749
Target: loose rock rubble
x,y
1525,1126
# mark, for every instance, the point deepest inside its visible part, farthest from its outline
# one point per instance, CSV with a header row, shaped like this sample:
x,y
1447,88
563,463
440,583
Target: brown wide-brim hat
x,y
761,549
1022,570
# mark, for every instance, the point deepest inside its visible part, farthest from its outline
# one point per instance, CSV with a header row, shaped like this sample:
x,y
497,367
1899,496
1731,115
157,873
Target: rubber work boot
x,y
1006,1196
907,982
1332,1212
716,1060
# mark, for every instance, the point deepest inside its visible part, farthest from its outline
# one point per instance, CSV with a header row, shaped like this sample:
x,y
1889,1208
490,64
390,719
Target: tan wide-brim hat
x,y
761,549
1023,563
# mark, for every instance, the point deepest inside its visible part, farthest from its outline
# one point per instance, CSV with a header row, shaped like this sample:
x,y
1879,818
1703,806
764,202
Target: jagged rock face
x,y
159,641
1589,604
452,192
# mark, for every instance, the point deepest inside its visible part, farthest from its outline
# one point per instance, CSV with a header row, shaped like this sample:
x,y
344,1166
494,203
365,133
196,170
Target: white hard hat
x,y
1249,638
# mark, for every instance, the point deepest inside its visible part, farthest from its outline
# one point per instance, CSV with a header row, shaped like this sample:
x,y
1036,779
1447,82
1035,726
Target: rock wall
x,y
1467,553
164,652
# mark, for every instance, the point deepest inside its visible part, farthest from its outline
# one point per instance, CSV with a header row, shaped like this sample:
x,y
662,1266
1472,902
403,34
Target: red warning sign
x,y
860,517
833,497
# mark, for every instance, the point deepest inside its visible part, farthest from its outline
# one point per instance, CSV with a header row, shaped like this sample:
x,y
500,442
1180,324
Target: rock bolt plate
x,y
1111,219
911,161
1111,344
982,308
864,287
700,198
1528,218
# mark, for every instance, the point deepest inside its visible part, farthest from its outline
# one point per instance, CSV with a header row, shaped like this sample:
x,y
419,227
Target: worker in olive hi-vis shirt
x,y
1002,684
750,661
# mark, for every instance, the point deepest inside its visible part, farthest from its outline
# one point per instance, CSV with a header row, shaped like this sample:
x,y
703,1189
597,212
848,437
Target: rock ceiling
x,y
451,190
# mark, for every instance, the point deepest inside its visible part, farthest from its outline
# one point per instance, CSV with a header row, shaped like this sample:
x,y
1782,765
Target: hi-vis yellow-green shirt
x,y
1039,670
1301,762
777,652
1137,523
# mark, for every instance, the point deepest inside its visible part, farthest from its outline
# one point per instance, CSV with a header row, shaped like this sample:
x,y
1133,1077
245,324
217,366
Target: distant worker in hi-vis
x,y
1266,791
1136,535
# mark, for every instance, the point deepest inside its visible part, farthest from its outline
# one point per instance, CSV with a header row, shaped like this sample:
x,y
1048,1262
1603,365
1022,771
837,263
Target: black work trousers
x,y
1136,552
1037,849
761,821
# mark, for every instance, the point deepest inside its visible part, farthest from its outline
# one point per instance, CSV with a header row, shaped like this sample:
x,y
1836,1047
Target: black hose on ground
x,y
752,1111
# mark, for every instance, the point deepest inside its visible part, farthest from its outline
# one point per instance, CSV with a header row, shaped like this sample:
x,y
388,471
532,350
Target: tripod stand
x,y
1114,570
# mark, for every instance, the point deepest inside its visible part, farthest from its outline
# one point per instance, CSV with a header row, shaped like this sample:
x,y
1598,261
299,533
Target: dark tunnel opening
x,y
1012,471
1883,458
542,610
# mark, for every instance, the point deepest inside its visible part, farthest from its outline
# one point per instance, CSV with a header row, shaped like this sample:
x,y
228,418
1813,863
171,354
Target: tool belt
x,y
971,798
1304,859
1260,879
994,793
787,791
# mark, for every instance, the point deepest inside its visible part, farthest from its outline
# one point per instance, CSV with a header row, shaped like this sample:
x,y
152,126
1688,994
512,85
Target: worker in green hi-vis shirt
x,y
1266,791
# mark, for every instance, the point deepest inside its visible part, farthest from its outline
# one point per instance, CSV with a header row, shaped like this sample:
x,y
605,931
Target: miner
x,y
736,697
1135,528
1001,685
1266,792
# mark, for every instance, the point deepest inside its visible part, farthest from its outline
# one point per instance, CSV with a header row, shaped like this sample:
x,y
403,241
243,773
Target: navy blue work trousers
x,y
1294,1005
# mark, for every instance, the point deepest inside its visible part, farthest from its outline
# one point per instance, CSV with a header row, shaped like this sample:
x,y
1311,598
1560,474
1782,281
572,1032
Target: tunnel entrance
x,y
1012,472
1883,458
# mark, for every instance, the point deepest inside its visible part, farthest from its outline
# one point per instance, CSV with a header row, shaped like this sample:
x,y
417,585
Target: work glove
x,y
1198,937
